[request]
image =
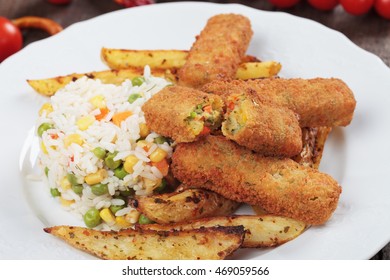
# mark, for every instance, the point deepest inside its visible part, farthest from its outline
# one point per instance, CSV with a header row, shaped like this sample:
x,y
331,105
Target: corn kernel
x,y
130,161
98,101
65,202
43,148
95,178
73,138
143,130
65,184
107,216
84,122
46,108
158,155
132,217
121,222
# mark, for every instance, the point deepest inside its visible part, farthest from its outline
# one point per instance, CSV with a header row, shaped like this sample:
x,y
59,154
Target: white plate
x,y
357,156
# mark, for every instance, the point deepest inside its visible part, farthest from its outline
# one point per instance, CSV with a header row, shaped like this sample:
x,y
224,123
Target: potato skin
x,y
194,244
313,140
187,205
217,51
318,102
281,186
261,230
166,111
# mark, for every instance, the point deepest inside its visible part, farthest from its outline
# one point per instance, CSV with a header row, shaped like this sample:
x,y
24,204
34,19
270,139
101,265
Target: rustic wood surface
x,y
370,32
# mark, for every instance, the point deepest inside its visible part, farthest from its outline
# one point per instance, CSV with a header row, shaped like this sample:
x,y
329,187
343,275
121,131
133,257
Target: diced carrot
x,y
103,112
54,136
235,97
205,131
119,117
231,106
163,166
207,109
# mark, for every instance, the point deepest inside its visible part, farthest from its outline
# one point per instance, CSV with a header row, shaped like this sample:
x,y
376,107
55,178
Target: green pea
x,y
72,179
193,115
55,192
110,162
78,189
133,97
99,189
116,208
127,192
99,152
143,220
43,127
120,172
160,140
137,81
161,187
92,218
47,171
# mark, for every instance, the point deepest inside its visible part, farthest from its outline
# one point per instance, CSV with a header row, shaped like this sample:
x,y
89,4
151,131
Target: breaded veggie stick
x,y
269,130
217,51
280,186
318,102
183,114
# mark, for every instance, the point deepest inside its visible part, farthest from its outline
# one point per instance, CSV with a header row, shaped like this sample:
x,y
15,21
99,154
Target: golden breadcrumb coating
x,y
169,113
217,51
318,102
280,186
269,130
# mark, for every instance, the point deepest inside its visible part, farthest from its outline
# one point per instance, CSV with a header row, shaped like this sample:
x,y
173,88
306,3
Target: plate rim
x,y
341,35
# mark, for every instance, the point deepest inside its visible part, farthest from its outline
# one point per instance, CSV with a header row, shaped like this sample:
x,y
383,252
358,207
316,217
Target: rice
x,y
79,131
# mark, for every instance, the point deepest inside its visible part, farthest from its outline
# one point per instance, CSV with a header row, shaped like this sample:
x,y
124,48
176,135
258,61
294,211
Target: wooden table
x,y
369,32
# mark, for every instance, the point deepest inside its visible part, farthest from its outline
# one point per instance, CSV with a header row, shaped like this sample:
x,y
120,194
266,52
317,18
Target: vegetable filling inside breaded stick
x,y
204,117
217,51
183,114
266,129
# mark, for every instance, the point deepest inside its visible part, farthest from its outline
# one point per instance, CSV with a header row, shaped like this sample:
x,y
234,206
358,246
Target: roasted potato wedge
x,y
189,204
50,86
194,244
255,70
162,59
261,231
313,140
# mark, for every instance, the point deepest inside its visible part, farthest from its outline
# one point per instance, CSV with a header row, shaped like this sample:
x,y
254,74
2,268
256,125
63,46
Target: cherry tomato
x,y
324,5
11,39
59,2
382,7
134,3
284,3
357,7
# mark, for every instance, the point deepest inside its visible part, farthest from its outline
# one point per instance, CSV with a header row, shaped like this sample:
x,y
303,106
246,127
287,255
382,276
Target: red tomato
x,y
357,7
324,5
11,39
382,7
59,1
134,3
284,3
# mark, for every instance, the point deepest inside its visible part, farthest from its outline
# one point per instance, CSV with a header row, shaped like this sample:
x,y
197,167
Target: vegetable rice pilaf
x,y
97,151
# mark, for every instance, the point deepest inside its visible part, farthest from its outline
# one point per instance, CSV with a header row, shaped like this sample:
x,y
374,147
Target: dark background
x,y
370,31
